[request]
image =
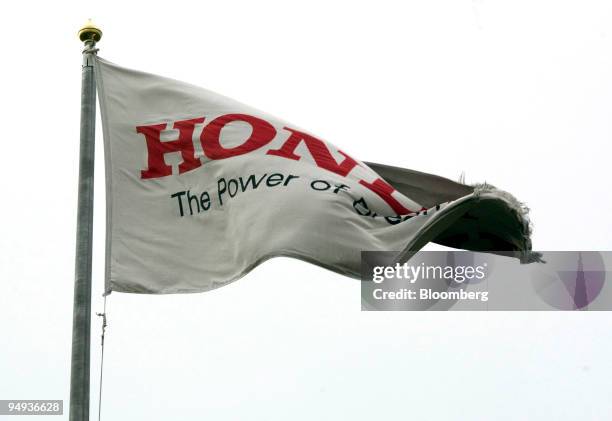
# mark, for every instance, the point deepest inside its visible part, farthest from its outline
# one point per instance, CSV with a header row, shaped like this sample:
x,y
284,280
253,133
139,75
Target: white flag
x,y
201,189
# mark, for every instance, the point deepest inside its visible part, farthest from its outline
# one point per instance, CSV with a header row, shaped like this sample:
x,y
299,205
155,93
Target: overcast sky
x,y
518,94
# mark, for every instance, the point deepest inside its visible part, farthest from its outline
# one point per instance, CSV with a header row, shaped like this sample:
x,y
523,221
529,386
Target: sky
x,y
517,94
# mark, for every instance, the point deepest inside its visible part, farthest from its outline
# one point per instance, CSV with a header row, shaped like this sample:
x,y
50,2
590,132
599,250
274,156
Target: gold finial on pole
x,y
90,32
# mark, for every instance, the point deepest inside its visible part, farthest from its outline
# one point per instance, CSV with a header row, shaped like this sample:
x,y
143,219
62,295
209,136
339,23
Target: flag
x,y
201,189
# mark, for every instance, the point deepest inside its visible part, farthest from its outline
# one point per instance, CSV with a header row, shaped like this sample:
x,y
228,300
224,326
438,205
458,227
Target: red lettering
x,y
262,134
156,149
319,151
384,190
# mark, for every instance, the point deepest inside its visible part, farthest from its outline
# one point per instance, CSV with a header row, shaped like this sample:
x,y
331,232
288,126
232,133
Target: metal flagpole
x,y
81,316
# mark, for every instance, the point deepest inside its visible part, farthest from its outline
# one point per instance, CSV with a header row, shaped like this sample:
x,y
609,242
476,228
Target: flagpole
x,y
81,316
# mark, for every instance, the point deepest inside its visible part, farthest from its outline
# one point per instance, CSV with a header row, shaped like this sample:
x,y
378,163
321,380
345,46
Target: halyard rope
x,y
104,325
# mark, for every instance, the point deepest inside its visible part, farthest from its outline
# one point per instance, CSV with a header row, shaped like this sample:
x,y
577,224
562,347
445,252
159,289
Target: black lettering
x,y
190,198
274,180
205,201
221,188
326,185
179,195
361,207
251,180
289,178
232,185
